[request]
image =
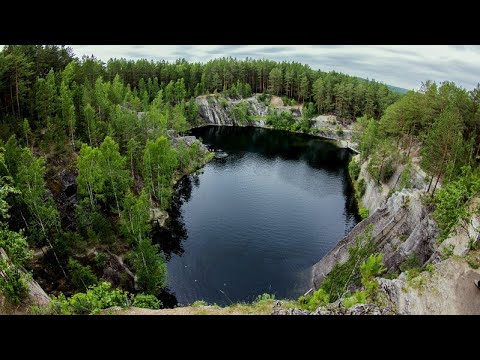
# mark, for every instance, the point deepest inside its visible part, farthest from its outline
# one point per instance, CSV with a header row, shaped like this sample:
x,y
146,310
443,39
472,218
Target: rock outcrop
x,y
213,111
400,228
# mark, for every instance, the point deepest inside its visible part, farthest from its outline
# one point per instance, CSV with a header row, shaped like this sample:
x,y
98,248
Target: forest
x,y
110,126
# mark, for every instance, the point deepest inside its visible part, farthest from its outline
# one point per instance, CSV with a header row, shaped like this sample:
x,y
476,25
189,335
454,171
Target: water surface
x,y
257,220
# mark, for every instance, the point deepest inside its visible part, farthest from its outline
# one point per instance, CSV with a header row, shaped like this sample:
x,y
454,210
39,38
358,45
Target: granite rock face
x,y
401,228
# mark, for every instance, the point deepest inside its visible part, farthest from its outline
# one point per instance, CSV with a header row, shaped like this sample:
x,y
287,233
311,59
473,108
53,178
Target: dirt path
x,y
448,290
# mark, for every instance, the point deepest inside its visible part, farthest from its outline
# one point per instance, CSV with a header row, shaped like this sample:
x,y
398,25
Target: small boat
x,y
220,154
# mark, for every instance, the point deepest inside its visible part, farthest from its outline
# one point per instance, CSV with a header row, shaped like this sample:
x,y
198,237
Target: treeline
x,y
30,75
119,144
440,125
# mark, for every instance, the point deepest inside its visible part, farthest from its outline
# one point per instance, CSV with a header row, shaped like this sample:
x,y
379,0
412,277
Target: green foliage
x,y
265,296
447,251
81,276
371,267
361,187
354,168
135,220
149,265
13,279
114,173
363,212
96,298
159,163
199,303
311,303
146,301
406,177
239,112
282,121
337,282
430,268
382,162
358,297
452,202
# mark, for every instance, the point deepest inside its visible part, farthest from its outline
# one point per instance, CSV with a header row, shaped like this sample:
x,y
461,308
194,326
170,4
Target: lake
x,y
255,221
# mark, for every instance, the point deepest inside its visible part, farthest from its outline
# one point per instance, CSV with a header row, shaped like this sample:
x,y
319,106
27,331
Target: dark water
x,y
257,220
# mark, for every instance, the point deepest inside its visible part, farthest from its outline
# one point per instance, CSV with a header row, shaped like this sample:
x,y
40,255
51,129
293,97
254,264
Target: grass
x,y
473,261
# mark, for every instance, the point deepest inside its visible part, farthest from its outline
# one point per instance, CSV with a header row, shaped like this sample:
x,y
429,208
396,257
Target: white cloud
x,y
400,65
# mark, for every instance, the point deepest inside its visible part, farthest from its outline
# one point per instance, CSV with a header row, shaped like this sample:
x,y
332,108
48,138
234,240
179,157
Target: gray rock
x,y
401,228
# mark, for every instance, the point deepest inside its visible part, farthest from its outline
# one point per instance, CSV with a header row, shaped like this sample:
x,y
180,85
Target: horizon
x,y
415,64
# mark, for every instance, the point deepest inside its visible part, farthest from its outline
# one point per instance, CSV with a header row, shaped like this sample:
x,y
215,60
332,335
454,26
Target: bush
x,y
347,274
361,187
282,121
223,103
13,280
149,265
147,301
81,276
358,297
96,298
265,296
387,171
452,202
371,267
363,212
406,177
311,303
354,168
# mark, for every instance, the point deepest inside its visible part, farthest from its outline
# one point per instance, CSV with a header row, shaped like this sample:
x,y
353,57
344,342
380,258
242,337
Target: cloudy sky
x,y
400,65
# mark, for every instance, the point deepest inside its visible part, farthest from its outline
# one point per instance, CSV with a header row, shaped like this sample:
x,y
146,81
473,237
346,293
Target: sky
x,y
399,65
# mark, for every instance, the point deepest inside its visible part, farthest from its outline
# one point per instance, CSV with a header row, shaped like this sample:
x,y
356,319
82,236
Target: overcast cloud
x,y
400,65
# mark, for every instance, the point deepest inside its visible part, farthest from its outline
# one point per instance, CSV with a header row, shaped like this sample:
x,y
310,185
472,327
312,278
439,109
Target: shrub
x,y
13,280
343,275
149,265
406,177
146,301
371,267
265,296
81,276
361,187
387,171
358,297
363,212
223,103
96,298
452,202
311,303
354,168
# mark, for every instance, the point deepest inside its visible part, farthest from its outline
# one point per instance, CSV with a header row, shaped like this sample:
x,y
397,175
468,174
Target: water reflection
x,y
263,215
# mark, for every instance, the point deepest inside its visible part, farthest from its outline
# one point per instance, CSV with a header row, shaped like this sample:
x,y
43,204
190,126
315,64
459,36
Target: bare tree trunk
x,y
436,182
16,87
11,100
430,184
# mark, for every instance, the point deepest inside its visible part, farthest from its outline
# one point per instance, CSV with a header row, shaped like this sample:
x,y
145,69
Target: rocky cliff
x,y
401,227
218,111
214,110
